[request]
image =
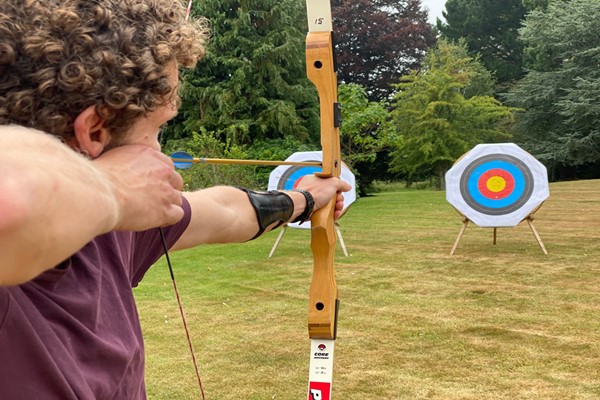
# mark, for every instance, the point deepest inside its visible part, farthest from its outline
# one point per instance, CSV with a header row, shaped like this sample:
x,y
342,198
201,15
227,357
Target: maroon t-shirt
x,y
74,332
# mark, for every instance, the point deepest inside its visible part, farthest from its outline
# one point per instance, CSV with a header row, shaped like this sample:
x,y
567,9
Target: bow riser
x,y
323,293
323,289
320,70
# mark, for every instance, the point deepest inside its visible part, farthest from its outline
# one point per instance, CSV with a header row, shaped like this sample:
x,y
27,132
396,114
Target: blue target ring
x,y
291,176
477,196
518,171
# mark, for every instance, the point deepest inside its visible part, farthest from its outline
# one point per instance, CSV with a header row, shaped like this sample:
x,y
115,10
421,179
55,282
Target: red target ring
x,y
496,184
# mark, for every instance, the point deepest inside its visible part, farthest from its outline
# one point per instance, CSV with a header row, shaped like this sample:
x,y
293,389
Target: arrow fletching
x,y
182,160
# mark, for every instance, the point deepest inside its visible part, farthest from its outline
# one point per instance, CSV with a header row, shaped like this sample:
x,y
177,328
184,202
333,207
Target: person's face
x,y
146,131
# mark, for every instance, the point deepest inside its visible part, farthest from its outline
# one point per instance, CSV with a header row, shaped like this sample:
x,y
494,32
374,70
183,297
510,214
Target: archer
x,y
84,88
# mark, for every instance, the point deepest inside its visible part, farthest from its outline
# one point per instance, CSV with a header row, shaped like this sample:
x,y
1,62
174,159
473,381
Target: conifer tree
x,y
442,111
561,93
252,84
490,29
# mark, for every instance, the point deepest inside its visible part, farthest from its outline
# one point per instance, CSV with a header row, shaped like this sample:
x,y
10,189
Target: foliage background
x,y
560,95
441,112
530,76
378,41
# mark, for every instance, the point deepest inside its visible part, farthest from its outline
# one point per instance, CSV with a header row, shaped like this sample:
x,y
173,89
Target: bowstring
x,y
185,326
189,10
166,250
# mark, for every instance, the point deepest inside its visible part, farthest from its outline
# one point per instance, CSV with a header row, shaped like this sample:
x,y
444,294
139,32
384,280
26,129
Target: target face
x,y
497,185
288,177
291,176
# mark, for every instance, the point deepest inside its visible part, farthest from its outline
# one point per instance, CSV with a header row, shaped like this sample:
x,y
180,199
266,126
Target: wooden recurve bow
x,y
323,293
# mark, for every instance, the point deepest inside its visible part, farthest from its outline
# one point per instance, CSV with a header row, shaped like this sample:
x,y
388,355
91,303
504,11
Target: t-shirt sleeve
x,y
148,246
4,302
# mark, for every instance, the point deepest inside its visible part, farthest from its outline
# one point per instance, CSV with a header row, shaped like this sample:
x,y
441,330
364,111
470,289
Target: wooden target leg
x,y
495,233
338,232
536,234
278,240
462,231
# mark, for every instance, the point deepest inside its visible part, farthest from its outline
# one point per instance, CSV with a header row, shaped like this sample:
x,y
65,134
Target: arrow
x,y
183,160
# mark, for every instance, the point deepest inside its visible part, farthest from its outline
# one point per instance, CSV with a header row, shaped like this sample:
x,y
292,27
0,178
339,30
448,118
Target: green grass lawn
x,y
490,322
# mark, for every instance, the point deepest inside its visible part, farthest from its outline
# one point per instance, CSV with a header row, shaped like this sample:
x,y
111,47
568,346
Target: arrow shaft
x,y
202,160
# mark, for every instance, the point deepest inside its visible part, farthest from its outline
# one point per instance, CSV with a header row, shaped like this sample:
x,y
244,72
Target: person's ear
x,y
90,135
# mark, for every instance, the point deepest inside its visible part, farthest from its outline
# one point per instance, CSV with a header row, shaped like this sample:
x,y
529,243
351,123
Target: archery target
x,y
497,185
291,177
288,177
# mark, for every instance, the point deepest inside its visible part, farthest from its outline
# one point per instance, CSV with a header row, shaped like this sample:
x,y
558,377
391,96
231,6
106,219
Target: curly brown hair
x,y
58,57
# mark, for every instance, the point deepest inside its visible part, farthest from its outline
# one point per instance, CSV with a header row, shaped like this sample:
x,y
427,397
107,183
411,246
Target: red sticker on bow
x,y
319,391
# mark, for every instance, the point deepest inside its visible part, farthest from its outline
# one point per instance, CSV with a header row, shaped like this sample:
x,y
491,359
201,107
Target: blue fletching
x,y
180,156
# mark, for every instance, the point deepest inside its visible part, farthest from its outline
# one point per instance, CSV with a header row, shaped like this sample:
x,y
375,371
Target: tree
x,y
377,41
561,92
252,83
535,4
442,111
361,134
490,28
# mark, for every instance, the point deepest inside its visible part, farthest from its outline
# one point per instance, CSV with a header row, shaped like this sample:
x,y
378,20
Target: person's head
x,y
116,58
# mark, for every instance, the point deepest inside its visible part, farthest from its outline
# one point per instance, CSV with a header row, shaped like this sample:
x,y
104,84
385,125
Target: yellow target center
x,y
496,184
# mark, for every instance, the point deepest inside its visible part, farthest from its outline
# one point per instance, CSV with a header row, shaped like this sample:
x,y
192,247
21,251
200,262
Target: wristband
x,y
310,205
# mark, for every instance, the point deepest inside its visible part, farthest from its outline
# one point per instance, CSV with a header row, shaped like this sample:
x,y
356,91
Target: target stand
x,y
338,234
497,185
288,177
529,219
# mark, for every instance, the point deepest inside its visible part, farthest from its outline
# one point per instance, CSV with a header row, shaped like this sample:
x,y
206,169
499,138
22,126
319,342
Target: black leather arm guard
x,y
270,207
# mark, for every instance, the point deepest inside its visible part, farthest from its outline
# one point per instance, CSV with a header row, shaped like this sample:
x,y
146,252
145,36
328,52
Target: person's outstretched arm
x,y
224,214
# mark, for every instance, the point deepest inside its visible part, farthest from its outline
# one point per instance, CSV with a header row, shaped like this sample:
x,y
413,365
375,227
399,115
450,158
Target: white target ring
x,y
497,185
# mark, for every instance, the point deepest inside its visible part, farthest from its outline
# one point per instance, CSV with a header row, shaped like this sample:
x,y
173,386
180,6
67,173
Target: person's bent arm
x,y
53,201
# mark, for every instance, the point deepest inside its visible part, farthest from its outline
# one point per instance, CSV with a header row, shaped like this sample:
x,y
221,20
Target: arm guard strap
x,y
270,207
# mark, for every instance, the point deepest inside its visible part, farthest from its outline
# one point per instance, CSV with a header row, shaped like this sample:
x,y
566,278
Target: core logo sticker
x,y
319,391
322,354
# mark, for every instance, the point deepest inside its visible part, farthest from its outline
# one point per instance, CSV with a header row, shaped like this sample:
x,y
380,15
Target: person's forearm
x,y
224,214
52,202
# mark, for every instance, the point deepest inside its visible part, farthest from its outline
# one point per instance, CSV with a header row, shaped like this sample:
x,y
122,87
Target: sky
x,y
435,8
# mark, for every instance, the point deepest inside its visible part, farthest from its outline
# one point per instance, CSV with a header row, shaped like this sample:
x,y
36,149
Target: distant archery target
x,y
288,177
497,185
